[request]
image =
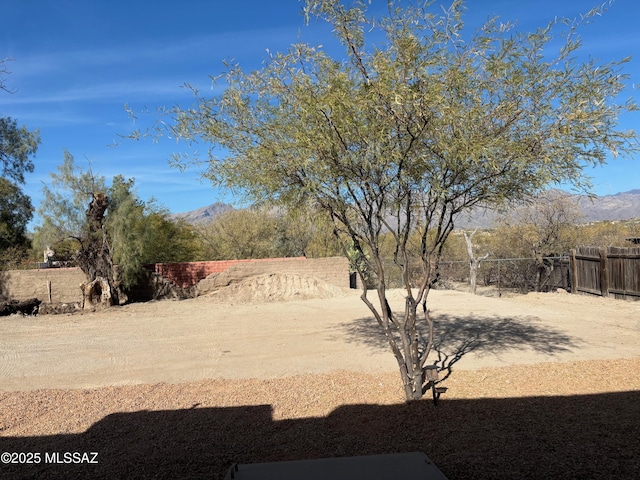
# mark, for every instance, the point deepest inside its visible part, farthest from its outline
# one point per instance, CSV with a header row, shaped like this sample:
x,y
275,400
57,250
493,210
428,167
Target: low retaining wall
x,y
333,270
62,285
50,285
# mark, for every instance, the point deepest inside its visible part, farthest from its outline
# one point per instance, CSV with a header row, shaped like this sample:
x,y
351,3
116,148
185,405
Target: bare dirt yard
x,y
544,385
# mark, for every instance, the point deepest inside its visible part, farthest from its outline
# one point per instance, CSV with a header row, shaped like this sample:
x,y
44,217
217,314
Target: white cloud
x,y
122,91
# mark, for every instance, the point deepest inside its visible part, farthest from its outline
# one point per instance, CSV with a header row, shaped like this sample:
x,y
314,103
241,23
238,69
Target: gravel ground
x,y
555,420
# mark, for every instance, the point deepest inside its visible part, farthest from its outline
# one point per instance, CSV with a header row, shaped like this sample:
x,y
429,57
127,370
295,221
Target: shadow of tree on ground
x,y
457,336
583,436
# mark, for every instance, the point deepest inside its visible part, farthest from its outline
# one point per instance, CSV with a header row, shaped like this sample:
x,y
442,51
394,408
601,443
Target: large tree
x,y
544,227
416,123
74,207
143,232
17,146
108,225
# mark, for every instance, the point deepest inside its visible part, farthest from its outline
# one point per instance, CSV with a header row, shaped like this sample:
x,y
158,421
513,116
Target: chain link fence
x,y
520,274
514,274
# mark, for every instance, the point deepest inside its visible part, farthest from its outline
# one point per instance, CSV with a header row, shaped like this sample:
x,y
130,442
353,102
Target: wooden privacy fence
x,y
609,272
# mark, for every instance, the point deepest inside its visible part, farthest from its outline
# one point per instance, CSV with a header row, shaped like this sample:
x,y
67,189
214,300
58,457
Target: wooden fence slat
x,y
604,273
614,271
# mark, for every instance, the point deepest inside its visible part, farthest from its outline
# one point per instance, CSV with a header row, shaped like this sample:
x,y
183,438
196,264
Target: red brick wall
x,y
332,270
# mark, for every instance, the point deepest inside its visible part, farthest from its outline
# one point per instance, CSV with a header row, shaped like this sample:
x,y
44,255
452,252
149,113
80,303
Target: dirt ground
x,y
202,338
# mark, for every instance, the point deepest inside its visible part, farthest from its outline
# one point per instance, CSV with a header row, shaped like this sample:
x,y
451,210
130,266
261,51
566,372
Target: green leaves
x,y
17,145
137,232
15,212
415,123
452,123
65,201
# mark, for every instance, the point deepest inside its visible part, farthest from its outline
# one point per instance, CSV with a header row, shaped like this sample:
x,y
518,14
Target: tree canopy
x,y
65,200
135,232
417,122
142,232
15,213
17,145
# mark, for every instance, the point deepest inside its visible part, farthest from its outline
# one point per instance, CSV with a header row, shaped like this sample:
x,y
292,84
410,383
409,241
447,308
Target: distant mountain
x,y
204,215
635,191
620,206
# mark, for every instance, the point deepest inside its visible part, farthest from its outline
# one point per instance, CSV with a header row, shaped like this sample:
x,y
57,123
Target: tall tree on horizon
x,y
17,147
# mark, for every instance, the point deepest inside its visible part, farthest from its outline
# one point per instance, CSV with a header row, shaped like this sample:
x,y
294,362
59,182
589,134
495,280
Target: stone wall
x,y
50,285
333,270
62,285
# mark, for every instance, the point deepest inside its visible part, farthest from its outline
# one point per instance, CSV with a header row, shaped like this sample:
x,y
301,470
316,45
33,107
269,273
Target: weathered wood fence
x,y
608,272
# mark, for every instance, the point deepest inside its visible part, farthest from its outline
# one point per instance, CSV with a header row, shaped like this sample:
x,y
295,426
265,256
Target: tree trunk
x,y
411,371
539,271
409,357
406,352
473,276
474,262
401,331
94,258
96,294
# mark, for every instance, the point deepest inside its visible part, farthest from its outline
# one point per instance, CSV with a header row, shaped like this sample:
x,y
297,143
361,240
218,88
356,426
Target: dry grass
x,y
557,420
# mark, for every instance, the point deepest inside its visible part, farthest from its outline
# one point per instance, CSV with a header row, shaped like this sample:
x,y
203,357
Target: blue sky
x,y
78,62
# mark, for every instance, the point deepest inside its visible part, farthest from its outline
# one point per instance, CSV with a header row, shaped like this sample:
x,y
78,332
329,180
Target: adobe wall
x,y
333,270
58,285
62,285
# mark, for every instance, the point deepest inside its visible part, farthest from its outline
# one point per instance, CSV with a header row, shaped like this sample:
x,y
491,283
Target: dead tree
x,y
474,262
94,258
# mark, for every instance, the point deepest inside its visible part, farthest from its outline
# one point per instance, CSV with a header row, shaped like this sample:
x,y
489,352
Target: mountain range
x,y
204,215
620,206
